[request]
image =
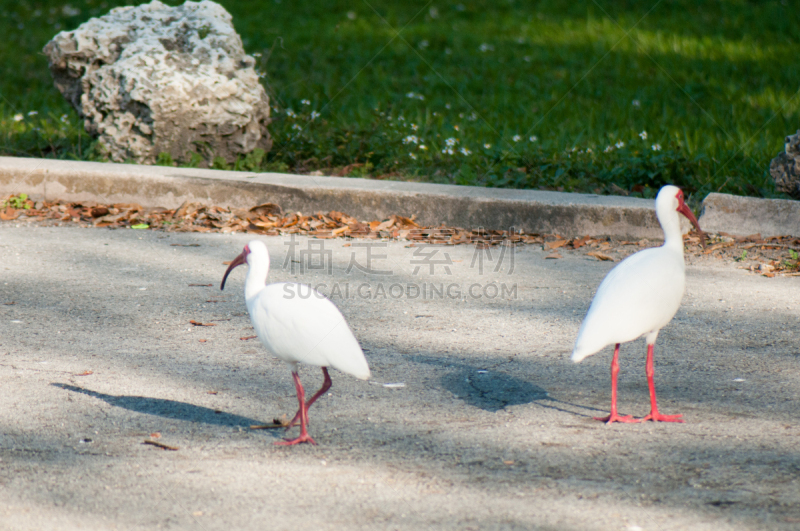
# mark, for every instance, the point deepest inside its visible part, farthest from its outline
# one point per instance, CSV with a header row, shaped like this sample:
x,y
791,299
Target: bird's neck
x,y
256,281
673,238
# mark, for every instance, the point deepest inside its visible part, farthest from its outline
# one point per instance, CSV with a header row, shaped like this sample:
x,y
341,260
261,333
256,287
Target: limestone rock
x,y
785,168
154,78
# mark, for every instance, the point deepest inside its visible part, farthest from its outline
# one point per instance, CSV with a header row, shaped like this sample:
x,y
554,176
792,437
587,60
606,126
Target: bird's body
x,y
298,325
639,297
624,309
305,330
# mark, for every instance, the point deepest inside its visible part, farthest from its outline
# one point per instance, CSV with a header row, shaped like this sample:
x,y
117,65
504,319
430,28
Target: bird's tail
x,y
581,351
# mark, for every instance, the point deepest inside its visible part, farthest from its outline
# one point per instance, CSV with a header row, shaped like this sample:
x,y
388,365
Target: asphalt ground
x,y
475,417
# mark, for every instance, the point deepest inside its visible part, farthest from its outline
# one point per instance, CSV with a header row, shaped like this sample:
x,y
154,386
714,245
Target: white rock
x,y
155,78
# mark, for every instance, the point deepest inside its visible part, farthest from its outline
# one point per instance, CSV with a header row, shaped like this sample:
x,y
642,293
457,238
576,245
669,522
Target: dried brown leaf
x,y
555,244
600,256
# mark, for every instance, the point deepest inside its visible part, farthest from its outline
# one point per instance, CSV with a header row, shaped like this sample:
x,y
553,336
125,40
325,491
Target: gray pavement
x,y
491,428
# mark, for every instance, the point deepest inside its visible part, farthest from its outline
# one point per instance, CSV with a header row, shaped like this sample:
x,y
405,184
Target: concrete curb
x,y
750,215
464,206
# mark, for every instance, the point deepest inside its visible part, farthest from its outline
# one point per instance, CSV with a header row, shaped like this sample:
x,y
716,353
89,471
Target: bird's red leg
x,y
614,417
325,386
654,414
301,397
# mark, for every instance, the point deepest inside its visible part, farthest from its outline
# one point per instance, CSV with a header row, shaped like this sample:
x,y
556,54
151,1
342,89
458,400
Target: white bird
x,y
639,297
298,325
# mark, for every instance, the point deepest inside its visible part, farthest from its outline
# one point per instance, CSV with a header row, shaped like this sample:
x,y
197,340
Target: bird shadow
x,y
493,390
169,409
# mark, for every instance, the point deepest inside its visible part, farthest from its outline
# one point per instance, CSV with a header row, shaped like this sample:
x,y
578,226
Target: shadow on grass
x,y
170,409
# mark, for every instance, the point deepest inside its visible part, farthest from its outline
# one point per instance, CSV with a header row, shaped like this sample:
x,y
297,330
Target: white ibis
x,y
639,297
298,325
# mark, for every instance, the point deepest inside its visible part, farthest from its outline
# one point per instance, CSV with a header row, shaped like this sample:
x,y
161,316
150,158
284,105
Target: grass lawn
x,y
600,96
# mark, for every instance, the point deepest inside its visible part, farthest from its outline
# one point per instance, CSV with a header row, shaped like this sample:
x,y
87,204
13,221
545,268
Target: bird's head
x,y
254,251
672,198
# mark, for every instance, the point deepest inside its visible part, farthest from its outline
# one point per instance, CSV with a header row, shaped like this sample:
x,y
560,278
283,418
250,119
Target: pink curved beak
x,y
239,260
684,209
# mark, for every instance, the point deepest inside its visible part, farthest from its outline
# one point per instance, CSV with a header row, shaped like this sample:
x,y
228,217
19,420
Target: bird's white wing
x,y
299,325
638,296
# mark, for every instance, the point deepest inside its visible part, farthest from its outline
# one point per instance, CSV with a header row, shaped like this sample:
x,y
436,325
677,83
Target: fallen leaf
x,y
185,245
9,303
201,285
84,373
155,435
508,462
553,255
98,211
580,242
197,323
9,213
140,226
266,209
600,256
247,338
160,445
212,392
202,340
555,245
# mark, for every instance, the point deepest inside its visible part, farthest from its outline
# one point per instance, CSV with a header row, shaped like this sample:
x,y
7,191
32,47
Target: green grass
x,y
713,83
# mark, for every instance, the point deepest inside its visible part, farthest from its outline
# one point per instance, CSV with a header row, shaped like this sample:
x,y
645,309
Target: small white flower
x,y
305,102
297,127
401,119
314,115
446,105
643,135
411,139
33,113
656,147
464,151
588,150
619,144
487,146
414,127
516,138
423,147
351,15
415,96
448,151
412,156
456,128
18,117
486,47
636,103
473,116
256,54
64,118
290,113
450,142
608,149
534,138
